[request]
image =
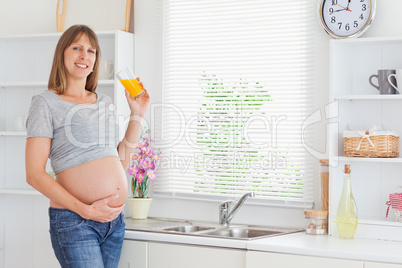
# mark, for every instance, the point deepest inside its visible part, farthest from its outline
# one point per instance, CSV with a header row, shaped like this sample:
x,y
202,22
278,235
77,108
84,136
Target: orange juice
x,y
133,86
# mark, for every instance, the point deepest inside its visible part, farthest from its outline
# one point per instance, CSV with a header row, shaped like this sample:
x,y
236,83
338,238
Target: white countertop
x,y
331,247
296,243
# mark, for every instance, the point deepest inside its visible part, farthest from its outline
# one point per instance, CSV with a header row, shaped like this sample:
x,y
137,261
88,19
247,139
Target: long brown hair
x,y
58,74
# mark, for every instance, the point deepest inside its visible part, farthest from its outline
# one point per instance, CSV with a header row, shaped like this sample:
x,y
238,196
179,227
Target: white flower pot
x,y
139,207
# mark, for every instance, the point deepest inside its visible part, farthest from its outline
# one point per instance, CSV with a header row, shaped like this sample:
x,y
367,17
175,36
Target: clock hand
x,y
347,7
344,8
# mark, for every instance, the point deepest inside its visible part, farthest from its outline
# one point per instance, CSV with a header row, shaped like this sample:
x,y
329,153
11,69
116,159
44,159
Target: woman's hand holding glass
x,y
139,104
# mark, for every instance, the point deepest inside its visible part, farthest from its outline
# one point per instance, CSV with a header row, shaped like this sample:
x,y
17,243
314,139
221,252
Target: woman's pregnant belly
x,y
95,180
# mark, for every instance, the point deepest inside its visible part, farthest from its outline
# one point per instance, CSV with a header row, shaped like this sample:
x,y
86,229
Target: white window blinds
x,y
237,86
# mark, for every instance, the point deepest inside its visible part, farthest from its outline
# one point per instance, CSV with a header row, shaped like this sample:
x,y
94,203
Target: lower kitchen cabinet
x,y
278,260
381,265
185,256
139,254
25,241
134,254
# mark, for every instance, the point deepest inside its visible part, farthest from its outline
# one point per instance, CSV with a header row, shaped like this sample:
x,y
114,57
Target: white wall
x,y
27,16
148,57
388,19
39,16
23,17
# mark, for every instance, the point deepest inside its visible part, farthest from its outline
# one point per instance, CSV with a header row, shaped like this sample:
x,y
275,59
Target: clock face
x,y
345,18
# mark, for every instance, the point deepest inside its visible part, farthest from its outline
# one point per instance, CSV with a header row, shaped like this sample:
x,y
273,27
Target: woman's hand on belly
x,y
101,211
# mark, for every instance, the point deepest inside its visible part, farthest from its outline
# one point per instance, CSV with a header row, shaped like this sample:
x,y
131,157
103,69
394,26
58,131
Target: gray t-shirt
x,y
79,133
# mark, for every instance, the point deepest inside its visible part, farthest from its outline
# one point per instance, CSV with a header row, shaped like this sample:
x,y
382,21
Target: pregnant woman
x,y
74,126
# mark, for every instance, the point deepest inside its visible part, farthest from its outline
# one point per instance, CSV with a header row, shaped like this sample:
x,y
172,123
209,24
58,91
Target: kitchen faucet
x,y
224,216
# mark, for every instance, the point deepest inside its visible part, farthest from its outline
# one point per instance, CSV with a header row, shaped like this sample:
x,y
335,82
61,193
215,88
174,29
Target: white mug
x,y
106,69
398,77
19,123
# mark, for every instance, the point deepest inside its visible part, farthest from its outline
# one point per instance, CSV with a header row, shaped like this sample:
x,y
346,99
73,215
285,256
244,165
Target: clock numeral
x,y
340,22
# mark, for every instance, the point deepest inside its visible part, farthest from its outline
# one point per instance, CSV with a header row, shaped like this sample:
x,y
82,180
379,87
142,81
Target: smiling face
x,y
66,55
79,58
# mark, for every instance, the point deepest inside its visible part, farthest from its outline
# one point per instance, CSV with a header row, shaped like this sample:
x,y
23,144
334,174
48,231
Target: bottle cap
x,y
347,168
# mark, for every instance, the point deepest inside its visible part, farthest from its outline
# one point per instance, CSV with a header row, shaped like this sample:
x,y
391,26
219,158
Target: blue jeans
x,y
82,243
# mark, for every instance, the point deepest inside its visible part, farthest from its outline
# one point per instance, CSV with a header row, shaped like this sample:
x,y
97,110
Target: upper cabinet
x,y
356,105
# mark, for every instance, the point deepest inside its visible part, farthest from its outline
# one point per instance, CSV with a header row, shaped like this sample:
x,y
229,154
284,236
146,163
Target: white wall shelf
x,y
41,84
368,97
13,133
16,191
51,36
370,159
382,221
24,74
360,106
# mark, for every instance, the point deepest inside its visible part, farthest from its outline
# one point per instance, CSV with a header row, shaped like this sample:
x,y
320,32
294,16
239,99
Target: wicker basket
x,y
395,201
376,144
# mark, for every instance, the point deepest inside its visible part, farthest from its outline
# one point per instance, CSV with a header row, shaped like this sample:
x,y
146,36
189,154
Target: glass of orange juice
x,y
128,80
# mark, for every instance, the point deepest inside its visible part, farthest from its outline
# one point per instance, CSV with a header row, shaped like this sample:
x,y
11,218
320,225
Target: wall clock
x,y
346,18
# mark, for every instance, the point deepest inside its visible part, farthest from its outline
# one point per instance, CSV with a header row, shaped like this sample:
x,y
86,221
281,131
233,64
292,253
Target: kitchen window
x,y
237,87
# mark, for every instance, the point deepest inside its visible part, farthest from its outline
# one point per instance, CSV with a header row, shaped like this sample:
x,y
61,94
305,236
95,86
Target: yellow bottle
x,y
346,216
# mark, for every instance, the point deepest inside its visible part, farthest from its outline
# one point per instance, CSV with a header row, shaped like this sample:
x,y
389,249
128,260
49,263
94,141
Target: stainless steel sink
x,y
188,229
242,233
207,229
235,232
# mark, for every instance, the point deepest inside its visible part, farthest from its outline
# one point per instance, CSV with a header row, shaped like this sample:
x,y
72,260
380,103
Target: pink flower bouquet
x,y
142,166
